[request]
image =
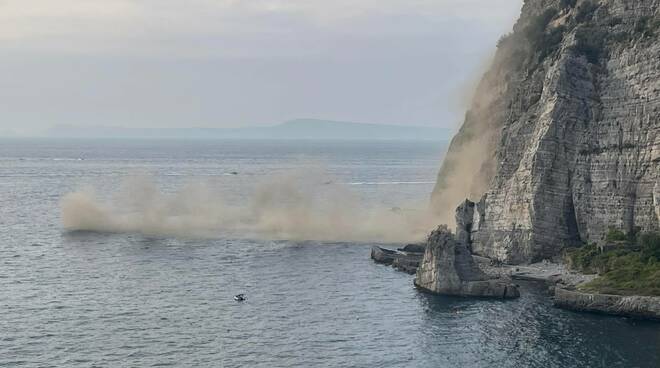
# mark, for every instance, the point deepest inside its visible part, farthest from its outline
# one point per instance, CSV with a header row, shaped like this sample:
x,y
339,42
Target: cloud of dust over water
x,y
293,206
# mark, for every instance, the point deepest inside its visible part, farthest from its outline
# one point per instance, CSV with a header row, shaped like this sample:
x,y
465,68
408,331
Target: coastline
x,y
562,284
644,307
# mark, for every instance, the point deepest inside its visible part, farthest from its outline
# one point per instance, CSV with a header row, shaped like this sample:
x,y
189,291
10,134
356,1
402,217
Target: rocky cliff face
x,y
449,269
563,138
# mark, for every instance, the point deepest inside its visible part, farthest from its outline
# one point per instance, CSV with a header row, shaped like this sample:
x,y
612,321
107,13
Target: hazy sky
x,y
227,63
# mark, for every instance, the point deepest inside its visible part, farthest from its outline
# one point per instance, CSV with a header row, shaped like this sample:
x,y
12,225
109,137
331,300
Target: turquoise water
x,y
83,299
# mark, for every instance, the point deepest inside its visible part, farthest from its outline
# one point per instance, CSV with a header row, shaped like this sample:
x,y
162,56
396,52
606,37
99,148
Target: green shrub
x,y
504,40
629,275
586,11
647,26
615,21
649,244
614,234
589,42
644,28
543,41
628,270
535,30
620,37
551,41
568,3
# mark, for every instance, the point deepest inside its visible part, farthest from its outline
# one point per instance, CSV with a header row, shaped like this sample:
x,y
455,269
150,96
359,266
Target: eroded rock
x,y
564,146
414,248
448,268
464,222
406,261
647,307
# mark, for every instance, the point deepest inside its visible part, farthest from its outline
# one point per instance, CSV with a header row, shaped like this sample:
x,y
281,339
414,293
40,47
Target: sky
x,y
233,63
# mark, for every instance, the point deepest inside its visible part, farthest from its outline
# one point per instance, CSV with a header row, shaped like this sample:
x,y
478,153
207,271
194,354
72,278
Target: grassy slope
x,y
631,269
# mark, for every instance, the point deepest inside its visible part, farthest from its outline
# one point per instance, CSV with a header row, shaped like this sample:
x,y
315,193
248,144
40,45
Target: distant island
x,y
293,129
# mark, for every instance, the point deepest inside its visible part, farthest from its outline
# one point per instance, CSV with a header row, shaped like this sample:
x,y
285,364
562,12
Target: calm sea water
x,y
110,300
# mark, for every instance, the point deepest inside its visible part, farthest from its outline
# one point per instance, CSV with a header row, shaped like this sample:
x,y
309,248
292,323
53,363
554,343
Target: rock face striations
x,y
448,268
406,259
647,307
563,137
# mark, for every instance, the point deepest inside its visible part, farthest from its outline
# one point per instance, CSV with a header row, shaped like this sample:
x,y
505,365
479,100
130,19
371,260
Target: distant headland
x,y
293,129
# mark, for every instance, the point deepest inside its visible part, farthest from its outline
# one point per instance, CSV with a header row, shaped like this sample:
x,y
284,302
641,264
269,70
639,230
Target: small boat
x,y
239,297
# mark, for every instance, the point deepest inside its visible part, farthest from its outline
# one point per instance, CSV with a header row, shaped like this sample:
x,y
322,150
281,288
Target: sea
x,y
128,253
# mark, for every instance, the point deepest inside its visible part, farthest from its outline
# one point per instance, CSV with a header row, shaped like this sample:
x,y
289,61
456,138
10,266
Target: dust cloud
x,y
292,206
464,175
470,163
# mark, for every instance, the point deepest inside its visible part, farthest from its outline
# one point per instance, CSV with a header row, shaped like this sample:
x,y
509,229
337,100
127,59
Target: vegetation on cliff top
x,y
631,266
542,35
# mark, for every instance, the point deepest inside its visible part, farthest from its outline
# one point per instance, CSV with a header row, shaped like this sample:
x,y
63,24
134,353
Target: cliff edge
x,y
449,269
562,139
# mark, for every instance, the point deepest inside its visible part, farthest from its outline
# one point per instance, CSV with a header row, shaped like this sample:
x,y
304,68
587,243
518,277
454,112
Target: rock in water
x,y
401,260
382,255
647,307
414,248
448,268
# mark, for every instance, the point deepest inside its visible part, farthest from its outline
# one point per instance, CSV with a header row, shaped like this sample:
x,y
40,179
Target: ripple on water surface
x,y
111,299
90,299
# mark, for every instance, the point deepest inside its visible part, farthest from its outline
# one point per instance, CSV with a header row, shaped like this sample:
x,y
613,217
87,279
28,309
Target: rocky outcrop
x,y
406,260
563,138
647,307
414,248
448,268
464,223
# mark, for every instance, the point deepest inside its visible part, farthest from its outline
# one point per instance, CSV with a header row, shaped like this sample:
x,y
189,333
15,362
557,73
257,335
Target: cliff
x,y
562,139
449,269
646,307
